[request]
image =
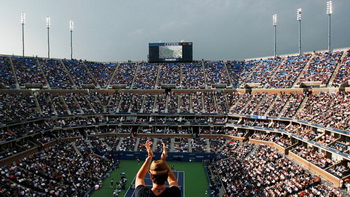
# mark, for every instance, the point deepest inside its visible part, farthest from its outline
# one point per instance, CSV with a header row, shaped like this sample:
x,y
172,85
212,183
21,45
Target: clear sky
x,y
118,30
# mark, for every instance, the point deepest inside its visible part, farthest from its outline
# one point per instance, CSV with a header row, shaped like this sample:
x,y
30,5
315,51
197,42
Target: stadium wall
x,y
172,156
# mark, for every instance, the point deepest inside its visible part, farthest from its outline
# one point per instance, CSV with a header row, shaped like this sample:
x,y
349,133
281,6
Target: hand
x,y
164,153
149,149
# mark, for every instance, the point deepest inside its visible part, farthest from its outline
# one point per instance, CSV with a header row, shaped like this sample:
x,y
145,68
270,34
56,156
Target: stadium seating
x,y
343,72
84,109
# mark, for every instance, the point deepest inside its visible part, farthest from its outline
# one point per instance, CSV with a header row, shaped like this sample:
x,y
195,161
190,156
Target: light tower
x,y
329,12
71,28
23,21
274,23
48,24
299,19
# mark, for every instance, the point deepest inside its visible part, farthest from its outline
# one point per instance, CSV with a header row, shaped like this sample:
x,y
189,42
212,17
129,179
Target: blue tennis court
x,y
180,178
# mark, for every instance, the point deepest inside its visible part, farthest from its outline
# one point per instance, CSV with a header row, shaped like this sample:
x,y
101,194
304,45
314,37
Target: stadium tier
x,y
254,122
329,69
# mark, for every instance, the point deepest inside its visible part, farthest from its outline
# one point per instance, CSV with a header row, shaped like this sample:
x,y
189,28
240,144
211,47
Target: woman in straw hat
x,y
160,173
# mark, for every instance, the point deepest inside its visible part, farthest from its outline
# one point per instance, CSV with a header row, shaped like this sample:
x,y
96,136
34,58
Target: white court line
x,y
183,177
133,181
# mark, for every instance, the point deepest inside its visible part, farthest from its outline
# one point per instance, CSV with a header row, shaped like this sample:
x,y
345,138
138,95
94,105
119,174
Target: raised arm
x,y
171,176
140,176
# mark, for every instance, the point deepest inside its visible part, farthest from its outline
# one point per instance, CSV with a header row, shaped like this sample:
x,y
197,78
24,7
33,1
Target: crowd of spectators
x,y
278,104
327,109
6,75
100,145
11,188
314,156
124,74
55,73
240,103
28,71
343,74
267,173
95,102
13,150
17,107
275,72
148,103
158,147
59,105
169,74
249,107
79,72
265,104
197,102
239,71
173,104
341,145
125,102
98,101
56,171
72,104
193,76
199,145
294,102
288,72
221,103
254,123
112,142
102,72
325,139
185,101
340,170
216,73
236,132
262,70
209,101
303,131
213,130
221,146
46,106
146,76
283,140
160,105
113,106
181,145
6,135
128,144
216,143
262,136
321,67
136,103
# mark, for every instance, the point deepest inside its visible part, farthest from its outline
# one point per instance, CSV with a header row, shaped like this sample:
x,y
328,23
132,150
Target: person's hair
x,y
159,179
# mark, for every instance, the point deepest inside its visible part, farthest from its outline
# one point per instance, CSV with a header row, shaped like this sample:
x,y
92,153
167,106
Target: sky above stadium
x,y
115,30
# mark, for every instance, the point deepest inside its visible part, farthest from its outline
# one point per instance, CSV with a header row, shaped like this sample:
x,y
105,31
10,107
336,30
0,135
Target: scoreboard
x,y
170,52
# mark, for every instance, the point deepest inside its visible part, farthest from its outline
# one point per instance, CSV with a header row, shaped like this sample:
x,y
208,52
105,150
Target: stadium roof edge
x,y
294,54
138,61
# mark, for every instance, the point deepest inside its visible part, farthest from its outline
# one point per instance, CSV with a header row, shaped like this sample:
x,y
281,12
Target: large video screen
x,y
170,52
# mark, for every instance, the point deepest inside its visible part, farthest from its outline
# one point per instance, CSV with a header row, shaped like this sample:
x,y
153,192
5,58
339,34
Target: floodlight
x,y
274,19
299,14
71,25
329,8
23,18
48,22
